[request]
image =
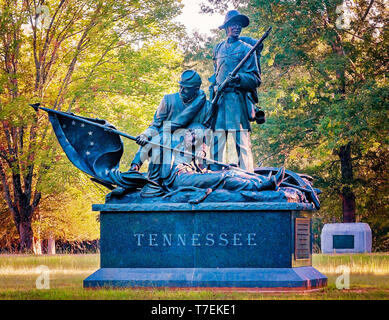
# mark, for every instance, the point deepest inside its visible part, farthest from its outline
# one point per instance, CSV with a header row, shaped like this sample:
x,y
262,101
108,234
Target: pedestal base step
x,y
305,278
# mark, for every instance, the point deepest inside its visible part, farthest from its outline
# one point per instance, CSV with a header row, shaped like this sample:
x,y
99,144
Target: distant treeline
x,y
61,247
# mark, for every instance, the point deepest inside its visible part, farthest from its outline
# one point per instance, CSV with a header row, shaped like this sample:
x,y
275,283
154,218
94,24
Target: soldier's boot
x,y
274,181
280,176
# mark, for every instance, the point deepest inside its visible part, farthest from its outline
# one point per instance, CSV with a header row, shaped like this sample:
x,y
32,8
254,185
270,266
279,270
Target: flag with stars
x,y
94,150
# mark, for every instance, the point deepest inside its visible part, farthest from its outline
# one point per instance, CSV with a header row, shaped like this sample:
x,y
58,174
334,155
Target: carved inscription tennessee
x,y
194,239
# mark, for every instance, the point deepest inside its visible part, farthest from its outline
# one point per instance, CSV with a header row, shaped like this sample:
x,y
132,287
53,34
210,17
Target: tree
x,y
62,53
68,215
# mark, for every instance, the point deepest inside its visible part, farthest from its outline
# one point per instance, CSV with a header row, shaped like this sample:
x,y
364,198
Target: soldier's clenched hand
x,y
134,167
142,140
233,80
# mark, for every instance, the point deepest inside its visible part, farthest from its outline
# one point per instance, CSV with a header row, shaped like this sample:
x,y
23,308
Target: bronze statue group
x,y
186,142
187,120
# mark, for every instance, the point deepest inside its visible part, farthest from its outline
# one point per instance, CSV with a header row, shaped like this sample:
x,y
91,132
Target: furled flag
x,y
94,148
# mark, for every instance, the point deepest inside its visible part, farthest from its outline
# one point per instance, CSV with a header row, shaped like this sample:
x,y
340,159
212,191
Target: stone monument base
x,y
208,245
305,278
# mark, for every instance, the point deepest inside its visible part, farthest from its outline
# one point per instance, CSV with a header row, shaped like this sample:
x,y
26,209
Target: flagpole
x,y
37,106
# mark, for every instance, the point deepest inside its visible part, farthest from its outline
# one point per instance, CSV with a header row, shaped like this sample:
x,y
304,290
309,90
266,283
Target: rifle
x,y
233,73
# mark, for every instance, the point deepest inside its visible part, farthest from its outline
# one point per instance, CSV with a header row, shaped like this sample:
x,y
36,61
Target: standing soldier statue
x,y
236,106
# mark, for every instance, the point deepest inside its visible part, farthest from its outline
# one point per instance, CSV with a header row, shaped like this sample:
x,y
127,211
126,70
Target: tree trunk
x,y
26,236
348,205
51,245
346,194
37,246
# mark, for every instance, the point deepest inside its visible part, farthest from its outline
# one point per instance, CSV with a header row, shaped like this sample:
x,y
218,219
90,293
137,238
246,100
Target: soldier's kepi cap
x,y
235,16
190,78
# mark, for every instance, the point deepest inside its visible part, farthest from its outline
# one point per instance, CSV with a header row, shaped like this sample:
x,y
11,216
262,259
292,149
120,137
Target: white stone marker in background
x,y
346,238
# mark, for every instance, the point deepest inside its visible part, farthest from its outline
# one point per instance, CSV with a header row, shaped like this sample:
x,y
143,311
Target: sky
x,y
193,20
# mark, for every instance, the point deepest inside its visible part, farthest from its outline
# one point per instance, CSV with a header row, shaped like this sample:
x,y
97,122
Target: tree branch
x,y
71,67
37,198
34,45
4,156
6,191
367,10
8,139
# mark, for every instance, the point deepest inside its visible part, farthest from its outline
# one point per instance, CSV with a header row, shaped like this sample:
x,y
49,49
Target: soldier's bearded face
x,y
188,93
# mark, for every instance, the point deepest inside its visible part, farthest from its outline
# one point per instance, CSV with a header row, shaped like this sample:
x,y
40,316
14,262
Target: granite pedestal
x,y
210,245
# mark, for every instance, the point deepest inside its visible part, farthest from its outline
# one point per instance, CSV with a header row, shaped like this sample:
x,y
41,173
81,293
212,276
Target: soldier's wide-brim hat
x,y
190,78
234,16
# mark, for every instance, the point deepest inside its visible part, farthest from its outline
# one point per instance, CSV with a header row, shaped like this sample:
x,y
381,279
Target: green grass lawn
x,y
369,279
